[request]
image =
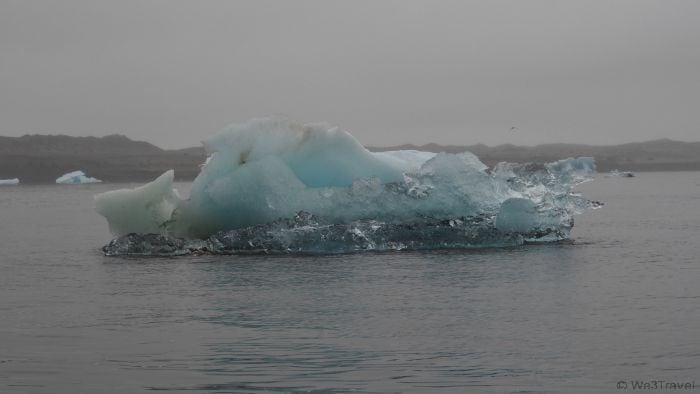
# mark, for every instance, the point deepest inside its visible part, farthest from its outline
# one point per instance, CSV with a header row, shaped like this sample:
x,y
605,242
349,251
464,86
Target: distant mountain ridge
x,y
114,144
117,158
113,158
656,155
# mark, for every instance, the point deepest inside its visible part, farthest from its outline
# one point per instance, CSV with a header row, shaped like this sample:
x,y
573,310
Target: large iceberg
x,y
76,178
273,185
9,182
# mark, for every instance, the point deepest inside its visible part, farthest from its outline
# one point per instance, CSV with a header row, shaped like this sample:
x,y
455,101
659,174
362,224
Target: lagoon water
x,y
619,303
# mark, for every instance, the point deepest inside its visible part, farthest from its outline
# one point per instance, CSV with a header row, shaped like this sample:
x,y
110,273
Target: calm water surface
x,y
620,303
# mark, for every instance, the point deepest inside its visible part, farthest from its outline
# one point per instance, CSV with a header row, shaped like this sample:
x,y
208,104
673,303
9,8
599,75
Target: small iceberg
x,y
9,182
275,186
76,178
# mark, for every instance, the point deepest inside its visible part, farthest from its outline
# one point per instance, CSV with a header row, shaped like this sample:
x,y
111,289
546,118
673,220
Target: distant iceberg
x,y
9,182
275,186
75,178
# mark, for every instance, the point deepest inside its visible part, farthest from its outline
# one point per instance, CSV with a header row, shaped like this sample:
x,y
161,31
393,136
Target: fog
x,y
390,72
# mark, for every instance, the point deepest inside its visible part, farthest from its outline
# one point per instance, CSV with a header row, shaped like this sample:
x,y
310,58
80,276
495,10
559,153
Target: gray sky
x,y
174,72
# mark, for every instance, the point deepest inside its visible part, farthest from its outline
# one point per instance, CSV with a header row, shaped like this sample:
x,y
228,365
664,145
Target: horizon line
x,y
663,139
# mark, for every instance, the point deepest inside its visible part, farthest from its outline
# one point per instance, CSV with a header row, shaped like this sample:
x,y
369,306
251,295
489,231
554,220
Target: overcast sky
x,y
461,72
